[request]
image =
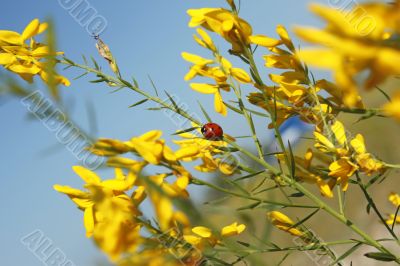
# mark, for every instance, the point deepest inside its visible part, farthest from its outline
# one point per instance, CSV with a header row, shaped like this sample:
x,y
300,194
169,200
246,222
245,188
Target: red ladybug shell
x,y
212,131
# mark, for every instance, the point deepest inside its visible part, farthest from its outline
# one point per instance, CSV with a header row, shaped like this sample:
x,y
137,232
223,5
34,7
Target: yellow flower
x,y
306,173
339,146
342,169
232,230
394,198
205,40
24,59
392,108
284,223
108,212
149,146
220,74
221,21
366,162
352,46
194,148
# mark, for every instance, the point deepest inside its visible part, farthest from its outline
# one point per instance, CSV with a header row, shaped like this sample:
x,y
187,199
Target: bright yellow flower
x,y
339,146
149,146
194,148
220,73
308,174
394,198
392,108
108,212
24,59
367,163
284,223
353,46
205,40
342,169
221,21
232,230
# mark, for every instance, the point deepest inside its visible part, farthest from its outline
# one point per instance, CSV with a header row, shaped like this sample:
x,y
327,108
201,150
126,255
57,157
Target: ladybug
x,y
212,131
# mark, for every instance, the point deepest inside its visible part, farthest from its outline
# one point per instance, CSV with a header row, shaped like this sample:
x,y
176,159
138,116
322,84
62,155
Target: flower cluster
x,y
25,59
354,43
111,207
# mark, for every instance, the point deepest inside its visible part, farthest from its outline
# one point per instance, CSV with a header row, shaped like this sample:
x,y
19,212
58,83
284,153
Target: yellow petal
x,y
240,75
202,231
187,152
169,154
10,37
88,176
265,41
219,104
321,58
358,144
193,240
88,221
6,58
195,59
340,132
204,88
31,30
71,192
280,217
42,27
282,32
233,229
151,135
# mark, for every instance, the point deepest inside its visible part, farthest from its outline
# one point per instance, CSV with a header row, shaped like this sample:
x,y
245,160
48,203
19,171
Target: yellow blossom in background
x,y
352,46
24,58
284,223
392,108
233,229
394,198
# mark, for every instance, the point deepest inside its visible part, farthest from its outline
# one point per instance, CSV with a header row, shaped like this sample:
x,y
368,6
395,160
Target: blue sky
x,y
147,38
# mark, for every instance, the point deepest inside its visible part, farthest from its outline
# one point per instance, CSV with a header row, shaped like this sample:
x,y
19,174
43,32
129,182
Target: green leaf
x,y
395,216
185,130
135,82
347,253
177,109
204,112
292,162
84,59
250,206
368,208
249,176
138,103
126,83
296,195
256,112
98,80
243,243
231,107
384,94
78,77
227,149
96,66
305,219
380,256
153,85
